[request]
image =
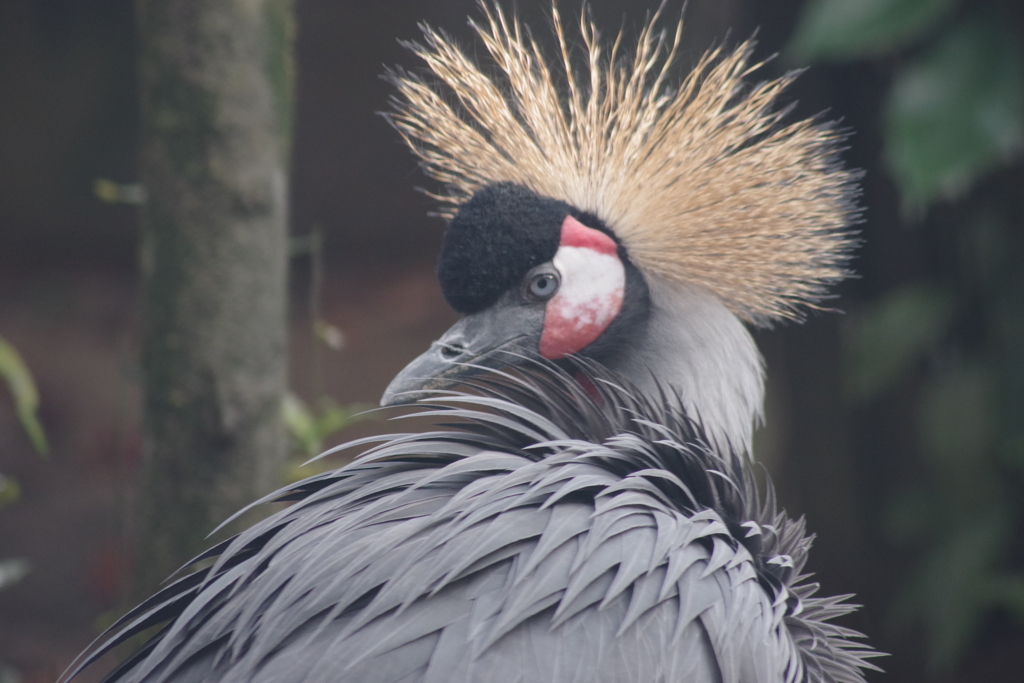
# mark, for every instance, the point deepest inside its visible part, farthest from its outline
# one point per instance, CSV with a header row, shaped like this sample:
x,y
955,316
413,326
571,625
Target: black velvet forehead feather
x,y
502,232
498,235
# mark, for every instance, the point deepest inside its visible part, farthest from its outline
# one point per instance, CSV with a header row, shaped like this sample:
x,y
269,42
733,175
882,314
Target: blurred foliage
x,y
953,342
23,390
9,490
890,338
111,192
309,428
841,29
956,111
26,403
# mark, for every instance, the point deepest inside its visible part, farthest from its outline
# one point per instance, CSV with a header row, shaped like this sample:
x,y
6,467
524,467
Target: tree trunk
x,y
216,89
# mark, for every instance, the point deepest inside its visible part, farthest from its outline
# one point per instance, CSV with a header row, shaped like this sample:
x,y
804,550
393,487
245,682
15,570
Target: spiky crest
x,y
702,181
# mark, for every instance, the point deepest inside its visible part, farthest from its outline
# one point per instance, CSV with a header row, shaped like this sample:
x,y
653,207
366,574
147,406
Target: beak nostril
x,y
452,351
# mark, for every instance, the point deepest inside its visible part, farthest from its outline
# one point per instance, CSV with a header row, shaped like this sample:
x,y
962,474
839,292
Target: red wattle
x,y
565,332
575,234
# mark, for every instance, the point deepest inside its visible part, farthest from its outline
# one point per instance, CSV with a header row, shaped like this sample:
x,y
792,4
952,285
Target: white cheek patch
x,y
589,298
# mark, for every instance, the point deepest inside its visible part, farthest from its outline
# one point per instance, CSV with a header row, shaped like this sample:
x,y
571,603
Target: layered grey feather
x,y
552,534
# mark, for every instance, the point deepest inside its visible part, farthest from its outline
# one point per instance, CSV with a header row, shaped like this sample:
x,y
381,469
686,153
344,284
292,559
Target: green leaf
x,y
334,417
890,337
850,29
301,423
310,429
23,389
955,113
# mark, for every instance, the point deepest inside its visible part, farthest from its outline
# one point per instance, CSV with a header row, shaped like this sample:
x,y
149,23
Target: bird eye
x,y
542,286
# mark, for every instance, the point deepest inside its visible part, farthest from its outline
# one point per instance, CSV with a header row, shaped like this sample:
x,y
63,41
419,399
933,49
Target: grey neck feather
x,y
695,345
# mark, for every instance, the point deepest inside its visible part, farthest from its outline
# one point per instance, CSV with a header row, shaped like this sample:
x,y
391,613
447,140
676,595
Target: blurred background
x,y
896,425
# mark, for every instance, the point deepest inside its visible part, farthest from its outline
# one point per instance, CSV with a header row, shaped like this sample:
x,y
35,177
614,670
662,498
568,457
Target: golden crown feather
x,y
702,181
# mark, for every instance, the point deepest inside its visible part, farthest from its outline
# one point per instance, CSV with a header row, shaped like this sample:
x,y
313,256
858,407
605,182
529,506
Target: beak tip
x,y
391,398
401,392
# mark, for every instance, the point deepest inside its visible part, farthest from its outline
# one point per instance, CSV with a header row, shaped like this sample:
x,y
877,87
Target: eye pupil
x,y
543,285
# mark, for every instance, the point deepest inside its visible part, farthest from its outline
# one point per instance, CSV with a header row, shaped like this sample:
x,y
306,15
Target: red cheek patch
x,y
591,293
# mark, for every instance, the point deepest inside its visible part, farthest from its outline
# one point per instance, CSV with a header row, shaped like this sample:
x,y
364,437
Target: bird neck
x,y
695,345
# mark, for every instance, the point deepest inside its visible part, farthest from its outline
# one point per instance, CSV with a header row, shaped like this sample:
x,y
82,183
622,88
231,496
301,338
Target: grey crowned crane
x,y
588,512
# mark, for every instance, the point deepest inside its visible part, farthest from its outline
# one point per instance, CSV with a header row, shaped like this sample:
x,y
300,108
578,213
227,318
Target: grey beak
x,y
499,337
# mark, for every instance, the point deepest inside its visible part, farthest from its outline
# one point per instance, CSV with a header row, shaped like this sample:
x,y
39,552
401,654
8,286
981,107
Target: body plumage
x,y
560,533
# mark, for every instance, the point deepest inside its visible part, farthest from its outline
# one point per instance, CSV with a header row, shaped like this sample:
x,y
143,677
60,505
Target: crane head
x,y
535,278
602,207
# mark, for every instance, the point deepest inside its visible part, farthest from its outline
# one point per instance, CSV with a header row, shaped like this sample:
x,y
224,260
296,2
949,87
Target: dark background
x,y
895,427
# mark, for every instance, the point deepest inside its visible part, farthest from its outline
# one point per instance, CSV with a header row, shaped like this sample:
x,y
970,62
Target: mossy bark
x,y
216,88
